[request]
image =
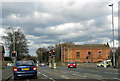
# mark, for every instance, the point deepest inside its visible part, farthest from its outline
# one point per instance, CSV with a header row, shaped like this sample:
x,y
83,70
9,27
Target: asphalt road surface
x,y
79,73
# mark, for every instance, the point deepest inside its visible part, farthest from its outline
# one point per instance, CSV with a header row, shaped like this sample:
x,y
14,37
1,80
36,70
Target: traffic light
x,y
50,53
14,54
53,52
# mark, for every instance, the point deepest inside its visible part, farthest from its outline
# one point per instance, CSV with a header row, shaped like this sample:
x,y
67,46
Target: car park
x,y
72,65
24,69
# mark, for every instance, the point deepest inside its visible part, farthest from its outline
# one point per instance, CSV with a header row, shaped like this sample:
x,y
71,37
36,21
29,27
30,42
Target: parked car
x,y
42,64
25,68
72,65
102,64
10,64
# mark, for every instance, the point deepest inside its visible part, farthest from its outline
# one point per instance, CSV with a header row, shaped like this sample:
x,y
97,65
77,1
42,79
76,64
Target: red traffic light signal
x,y
50,53
53,52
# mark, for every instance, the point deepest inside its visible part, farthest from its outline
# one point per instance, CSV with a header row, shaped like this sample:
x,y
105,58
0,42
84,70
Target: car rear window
x,y
72,62
27,63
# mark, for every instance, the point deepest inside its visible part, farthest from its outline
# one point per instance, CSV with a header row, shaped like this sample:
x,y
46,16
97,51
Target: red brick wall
x,y
70,54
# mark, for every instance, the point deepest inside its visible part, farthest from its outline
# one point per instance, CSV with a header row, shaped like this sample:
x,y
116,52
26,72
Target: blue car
x,y
24,69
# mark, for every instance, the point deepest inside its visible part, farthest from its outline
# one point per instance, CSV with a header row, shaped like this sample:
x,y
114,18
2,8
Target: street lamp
x,y
113,50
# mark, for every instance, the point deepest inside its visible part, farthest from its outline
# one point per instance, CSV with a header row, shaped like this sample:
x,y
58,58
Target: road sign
x,y
54,65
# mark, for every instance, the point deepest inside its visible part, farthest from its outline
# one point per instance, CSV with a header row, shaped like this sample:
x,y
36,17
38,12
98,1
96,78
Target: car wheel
x,y
101,66
15,78
35,76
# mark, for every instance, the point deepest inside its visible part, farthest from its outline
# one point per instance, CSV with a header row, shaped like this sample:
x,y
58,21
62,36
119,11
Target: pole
x,y
113,37
61,53
49,61
54,64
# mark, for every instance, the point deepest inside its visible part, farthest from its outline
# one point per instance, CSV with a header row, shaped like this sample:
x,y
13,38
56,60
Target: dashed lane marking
x,y
117,78
76,75
64,77
44,75
52,79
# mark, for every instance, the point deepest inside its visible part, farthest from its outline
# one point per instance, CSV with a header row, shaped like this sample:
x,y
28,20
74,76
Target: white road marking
x,y
28,80
92,75
117,78
40,72
51,79
76,74
64,77
109,72
116,73
97,75
63,72
44,75
84,76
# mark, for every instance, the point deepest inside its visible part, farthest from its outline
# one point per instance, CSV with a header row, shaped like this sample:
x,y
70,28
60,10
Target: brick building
x,y
85,53
2,51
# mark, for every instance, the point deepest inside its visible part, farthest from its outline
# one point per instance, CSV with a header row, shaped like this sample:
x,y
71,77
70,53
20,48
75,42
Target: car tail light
x,y
15,69
34,68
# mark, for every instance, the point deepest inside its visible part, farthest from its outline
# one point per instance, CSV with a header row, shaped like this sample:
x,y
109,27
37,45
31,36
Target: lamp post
x,y
113,50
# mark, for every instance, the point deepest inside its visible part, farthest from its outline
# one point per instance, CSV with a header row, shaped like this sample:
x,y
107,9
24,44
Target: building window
x,y
78,54
89,53
99,54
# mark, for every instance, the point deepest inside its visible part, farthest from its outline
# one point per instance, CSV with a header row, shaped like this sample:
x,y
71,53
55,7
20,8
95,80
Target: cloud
x,y
45,23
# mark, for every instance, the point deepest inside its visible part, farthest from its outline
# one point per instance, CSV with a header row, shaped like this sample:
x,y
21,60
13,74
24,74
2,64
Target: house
x,y
85,53
2,51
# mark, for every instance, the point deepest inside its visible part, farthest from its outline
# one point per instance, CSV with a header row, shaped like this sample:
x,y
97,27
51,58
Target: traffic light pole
x,y
49,61
54,64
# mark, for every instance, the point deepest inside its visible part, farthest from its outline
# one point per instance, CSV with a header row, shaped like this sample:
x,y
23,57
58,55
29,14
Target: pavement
x,y
6,73
74,74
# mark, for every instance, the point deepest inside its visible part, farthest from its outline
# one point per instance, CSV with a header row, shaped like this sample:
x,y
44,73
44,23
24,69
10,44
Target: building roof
x,y
88,45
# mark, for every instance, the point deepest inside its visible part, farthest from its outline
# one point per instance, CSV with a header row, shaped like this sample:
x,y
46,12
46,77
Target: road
x,y
79,73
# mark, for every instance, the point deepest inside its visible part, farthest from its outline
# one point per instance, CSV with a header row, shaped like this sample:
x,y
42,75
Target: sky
x,y
48,22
